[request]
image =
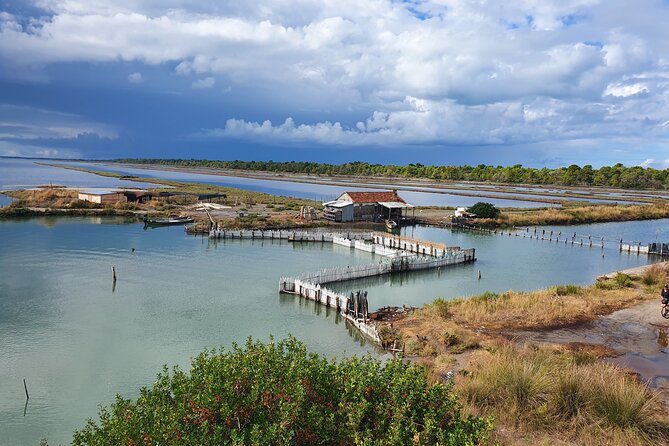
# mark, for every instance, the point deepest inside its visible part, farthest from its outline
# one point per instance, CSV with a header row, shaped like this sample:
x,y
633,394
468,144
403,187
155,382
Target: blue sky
x,y
542,83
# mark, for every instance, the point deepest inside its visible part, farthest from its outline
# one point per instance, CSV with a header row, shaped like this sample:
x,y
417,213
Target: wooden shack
x,y
365,206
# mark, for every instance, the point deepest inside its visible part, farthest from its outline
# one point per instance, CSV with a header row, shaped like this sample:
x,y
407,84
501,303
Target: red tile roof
x,y
375,197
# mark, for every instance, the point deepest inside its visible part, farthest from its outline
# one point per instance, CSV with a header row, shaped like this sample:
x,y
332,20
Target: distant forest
x,y
614,176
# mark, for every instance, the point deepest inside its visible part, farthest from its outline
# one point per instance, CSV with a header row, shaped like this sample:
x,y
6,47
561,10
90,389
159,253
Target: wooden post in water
x,y
114,273
26,389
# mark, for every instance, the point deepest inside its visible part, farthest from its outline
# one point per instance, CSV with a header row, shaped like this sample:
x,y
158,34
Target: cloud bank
x,y
443,72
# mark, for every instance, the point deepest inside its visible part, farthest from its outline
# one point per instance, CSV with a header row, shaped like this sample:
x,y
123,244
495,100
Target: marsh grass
x,y
656,275
547,391
584,214
557,306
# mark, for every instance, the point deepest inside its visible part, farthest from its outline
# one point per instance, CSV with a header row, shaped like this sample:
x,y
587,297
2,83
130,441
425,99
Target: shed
x,y
338,211
365,206
102,196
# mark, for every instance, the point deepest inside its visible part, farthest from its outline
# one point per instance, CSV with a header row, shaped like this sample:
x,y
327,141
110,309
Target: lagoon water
x,y
78,340
20,173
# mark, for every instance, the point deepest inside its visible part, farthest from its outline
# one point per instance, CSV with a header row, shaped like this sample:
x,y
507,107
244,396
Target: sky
x,y
532,82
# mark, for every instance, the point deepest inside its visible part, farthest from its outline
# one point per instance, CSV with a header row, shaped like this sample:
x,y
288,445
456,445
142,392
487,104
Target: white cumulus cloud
x,y
135,78
207,82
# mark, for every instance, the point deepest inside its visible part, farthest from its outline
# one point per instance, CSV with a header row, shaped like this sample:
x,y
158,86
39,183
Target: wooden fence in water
x,y
283,234
310,285
397,264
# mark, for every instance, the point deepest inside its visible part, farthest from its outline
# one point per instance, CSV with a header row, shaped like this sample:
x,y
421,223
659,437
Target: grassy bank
x,y
558,394
234,196
247,209
573,215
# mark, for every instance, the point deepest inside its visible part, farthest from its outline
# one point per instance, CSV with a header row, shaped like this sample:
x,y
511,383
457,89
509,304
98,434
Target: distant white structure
x,y
462,212
102,196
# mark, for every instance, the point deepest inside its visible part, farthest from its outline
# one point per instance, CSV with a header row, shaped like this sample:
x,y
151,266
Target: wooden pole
x,y
26,389
114,273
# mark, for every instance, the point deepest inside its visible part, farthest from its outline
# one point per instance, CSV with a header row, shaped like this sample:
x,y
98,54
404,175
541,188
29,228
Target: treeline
x,y
617,176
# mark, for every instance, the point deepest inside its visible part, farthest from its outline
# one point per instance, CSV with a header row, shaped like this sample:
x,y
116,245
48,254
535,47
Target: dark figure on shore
x,y
665,297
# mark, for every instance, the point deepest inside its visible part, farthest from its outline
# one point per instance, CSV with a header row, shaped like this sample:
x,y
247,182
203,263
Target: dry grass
x,y
44,197
655,276
553,307
559,395
584,214
549,395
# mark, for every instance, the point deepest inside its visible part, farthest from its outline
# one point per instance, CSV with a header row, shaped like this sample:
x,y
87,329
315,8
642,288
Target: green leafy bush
x,y
278,394
484,210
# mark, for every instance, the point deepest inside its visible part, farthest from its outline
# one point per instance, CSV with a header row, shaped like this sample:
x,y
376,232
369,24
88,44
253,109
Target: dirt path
x,y
638,335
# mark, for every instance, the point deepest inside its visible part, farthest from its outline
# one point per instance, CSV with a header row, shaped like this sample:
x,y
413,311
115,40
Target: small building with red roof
x,y
365,206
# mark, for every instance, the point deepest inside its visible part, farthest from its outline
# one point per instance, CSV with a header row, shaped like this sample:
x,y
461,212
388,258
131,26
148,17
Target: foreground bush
x,y
279,394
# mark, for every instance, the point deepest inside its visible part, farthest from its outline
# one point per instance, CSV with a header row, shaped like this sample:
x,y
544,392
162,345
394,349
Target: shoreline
x,y
406,184
570,214
622,333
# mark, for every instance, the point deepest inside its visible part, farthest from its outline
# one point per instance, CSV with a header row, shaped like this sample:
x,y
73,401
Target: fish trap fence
x,y
297,236
404,263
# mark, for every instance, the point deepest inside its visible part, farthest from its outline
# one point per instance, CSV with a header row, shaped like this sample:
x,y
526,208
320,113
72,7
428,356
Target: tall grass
x,y
657,274
585,214
543,389
560,305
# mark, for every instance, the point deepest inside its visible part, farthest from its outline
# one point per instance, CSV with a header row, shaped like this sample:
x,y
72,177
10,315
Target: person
x,y
665,297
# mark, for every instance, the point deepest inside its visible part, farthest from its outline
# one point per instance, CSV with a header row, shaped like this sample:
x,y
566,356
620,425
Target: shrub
x,y
484,210
568,290
441,307
623,280
488,296
654,275
279,394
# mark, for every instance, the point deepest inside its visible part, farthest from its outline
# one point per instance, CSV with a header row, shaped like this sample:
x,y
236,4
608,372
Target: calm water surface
x,y
78,341
19,173
510,263
4,200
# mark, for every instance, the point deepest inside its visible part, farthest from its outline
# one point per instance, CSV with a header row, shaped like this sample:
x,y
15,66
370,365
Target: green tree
x,y
277,393
484,210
